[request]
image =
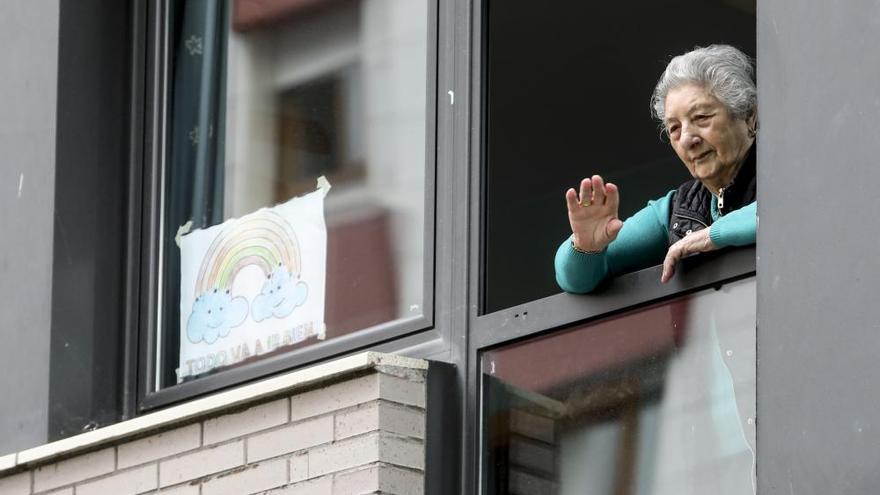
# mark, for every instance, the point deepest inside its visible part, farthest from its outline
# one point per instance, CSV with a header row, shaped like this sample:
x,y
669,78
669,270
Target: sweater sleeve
x,y
737,228
642,242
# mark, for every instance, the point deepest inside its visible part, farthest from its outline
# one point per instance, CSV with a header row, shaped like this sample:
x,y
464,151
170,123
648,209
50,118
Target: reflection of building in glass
x,y
660,401
336,89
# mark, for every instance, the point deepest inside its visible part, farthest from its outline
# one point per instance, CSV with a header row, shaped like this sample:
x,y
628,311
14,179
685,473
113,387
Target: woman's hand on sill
x,y
695,242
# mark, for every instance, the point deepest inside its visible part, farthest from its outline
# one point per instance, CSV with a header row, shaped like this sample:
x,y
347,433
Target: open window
x,y
586,393
566,95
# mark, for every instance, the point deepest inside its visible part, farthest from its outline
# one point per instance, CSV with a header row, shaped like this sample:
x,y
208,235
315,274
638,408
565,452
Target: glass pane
x,y
264,98
568,97
655,401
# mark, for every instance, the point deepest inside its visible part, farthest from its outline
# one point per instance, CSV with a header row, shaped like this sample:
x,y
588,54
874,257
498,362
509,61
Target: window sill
x,y
198,409
623,292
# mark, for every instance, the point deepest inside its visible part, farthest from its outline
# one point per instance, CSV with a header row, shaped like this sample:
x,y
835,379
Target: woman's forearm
x,y
642,242
737,228
579,272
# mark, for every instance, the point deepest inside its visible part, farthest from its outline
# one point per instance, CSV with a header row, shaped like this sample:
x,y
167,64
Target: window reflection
x,y
266,96
655,401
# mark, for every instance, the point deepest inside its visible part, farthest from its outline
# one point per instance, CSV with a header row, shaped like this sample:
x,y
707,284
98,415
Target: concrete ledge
x,y
7,462
199,409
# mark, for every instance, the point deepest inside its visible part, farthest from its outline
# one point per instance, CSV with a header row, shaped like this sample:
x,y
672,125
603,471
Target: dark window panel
x,y
567,95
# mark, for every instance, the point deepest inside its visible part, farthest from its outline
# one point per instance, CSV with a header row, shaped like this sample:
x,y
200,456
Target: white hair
x,y
726,72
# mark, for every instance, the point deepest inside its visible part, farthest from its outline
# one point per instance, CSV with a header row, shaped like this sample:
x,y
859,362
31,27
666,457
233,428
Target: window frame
x,y
148,161
451,328
543,316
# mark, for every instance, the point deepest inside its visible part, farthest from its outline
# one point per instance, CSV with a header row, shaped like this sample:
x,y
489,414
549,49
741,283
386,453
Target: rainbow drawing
x,y
264,239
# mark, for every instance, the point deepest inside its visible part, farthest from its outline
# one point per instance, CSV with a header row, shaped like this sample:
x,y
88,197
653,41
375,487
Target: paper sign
x,y
252,285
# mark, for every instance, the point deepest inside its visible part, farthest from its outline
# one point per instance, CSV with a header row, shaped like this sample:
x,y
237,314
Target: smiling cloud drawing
x,y
280,295
214,314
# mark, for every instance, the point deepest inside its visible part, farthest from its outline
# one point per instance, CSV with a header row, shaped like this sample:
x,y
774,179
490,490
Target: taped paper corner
x,y
324,185
182,230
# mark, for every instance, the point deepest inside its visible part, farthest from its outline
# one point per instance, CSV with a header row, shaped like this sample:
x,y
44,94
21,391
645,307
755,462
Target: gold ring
x,y
585,203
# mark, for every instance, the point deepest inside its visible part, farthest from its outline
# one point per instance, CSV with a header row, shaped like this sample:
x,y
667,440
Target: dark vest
x,y
692,203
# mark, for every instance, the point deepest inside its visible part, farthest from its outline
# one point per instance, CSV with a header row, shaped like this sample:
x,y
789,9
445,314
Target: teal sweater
x,y
643,241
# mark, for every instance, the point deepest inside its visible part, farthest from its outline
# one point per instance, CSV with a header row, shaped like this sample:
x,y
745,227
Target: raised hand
x,y
592,213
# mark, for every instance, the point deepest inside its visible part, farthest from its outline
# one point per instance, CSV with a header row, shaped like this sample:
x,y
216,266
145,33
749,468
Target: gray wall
x,y
818,262
29,59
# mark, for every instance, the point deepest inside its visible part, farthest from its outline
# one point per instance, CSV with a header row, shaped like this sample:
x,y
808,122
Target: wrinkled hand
x,y
592,214
695,242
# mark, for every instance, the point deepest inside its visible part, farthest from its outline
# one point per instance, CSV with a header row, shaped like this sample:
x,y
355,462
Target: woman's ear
x,y
752,123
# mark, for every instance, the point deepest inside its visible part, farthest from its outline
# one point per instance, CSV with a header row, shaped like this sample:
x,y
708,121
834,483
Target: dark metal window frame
x,y
150,70
452,329
627,292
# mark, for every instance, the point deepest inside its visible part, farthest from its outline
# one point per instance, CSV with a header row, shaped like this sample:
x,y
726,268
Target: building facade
x,y
405,335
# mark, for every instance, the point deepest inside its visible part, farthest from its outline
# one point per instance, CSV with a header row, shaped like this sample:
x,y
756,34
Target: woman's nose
x,y
690,139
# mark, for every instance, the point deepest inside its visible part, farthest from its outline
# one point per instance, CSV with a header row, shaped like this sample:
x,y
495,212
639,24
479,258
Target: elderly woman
x,y
706,101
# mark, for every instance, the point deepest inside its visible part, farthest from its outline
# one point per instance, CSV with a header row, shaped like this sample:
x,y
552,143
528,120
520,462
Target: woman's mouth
x,y
701,156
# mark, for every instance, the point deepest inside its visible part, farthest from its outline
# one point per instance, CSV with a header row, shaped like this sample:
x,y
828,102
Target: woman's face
x,y
711,143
